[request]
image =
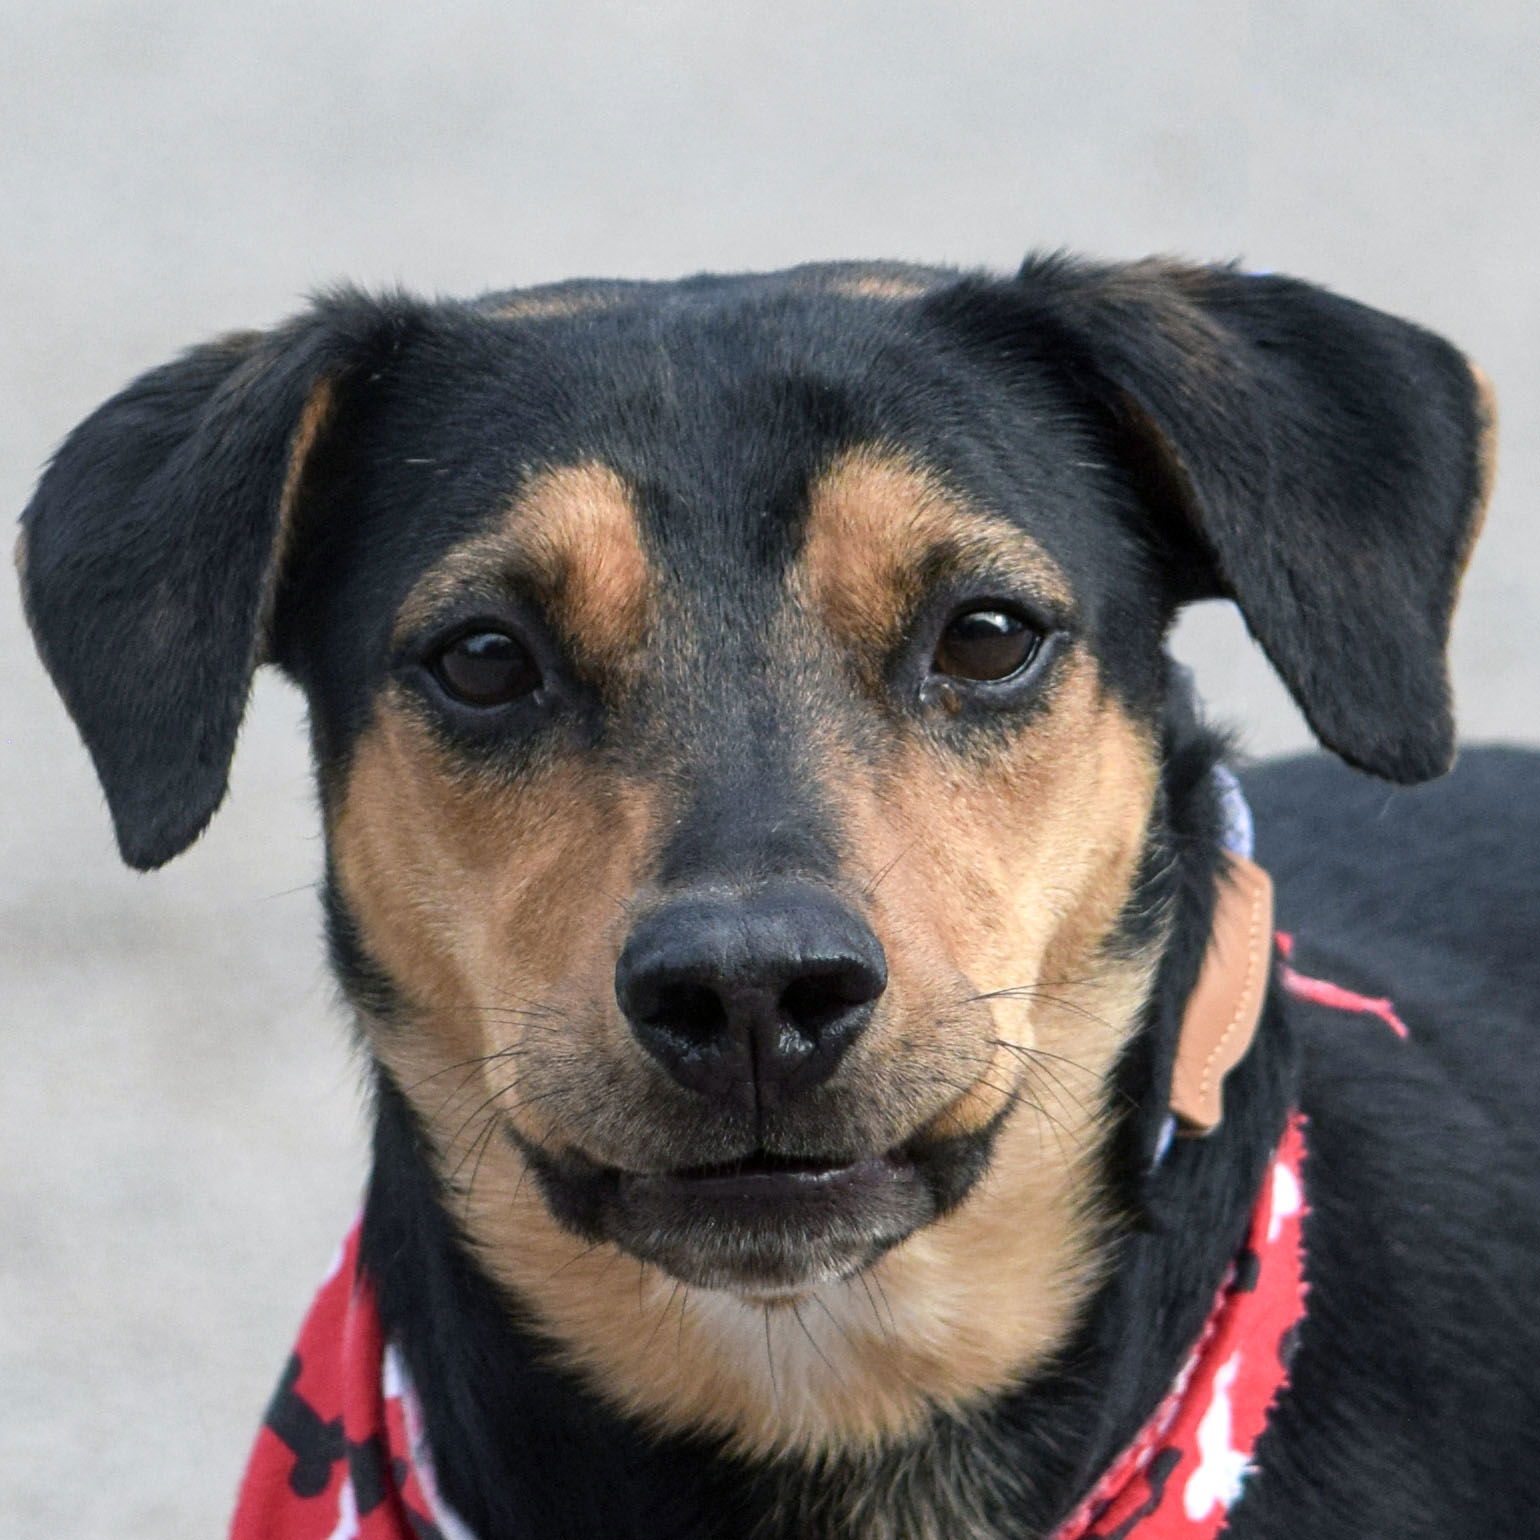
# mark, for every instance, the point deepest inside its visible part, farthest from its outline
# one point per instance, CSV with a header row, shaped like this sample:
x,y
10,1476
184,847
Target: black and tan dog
x,y
769,855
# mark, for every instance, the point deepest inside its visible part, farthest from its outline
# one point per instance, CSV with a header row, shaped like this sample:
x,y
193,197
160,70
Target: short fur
x,y
729,519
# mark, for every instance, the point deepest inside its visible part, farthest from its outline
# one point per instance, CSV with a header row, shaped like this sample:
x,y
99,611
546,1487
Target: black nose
x,y
750,1000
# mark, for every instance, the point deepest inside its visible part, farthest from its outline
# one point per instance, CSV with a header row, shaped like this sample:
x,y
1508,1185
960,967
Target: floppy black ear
x,y
151,549
1322,464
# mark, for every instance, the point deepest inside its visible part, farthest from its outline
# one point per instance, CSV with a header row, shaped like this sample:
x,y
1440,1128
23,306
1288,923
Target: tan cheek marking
x,y
967,1307
572,532
1011,876
495,908
872,520
981,876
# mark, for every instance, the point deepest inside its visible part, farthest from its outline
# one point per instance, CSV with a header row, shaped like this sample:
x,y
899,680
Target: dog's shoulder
x,y
1425,1212
1425,894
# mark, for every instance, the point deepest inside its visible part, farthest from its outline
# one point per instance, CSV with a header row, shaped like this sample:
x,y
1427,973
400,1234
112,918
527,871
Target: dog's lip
x,y
762,1223
770,1178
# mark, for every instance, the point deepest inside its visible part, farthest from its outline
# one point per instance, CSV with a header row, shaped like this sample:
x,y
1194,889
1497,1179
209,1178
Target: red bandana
x,y
343,1456
1182,1474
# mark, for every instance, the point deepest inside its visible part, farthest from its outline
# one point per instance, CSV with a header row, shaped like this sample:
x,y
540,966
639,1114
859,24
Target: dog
x,y
833,1072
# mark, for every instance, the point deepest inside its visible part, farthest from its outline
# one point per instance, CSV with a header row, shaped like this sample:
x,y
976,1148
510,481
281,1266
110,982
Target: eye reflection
x,y
487,668
986,644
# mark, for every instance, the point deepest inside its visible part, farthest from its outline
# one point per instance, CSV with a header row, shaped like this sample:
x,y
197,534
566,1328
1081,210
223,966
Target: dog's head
x,y
737,711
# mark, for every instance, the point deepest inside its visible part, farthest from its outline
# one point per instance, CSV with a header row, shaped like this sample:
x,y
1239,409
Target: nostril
x,y
817,1000
692,1011
743,998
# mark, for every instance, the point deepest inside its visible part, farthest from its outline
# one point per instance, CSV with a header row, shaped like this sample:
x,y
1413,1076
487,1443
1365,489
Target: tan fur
x,y
880,285
1487,422
873,518
493,913
993,883
966,1306
572,533
312,421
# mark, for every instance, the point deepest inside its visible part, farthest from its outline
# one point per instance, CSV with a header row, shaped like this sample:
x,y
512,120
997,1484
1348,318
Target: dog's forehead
x,y
716,410
709,440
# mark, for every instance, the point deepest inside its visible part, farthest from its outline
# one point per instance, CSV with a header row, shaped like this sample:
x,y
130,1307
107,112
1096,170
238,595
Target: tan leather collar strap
x,y
1226,1004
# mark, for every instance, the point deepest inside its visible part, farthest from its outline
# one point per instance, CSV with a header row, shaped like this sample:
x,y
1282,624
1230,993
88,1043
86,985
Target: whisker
x,y
1033,1066
838,1324
519,1106
871,1300
479,1145
870,889
465,1080
775,1385
1035,1054
796,1311
471,1063
471,1118
684,1303
576,1257
886,1304
662,1316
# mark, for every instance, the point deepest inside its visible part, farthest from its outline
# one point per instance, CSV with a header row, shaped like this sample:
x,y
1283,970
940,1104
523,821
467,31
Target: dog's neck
x,y
1041,1404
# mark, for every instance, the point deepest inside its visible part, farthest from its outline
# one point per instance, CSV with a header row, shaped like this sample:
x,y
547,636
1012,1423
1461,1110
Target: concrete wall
x,y
180,1132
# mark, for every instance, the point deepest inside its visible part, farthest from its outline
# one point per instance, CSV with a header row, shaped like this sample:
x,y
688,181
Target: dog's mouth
x,y
765,1224
763,1178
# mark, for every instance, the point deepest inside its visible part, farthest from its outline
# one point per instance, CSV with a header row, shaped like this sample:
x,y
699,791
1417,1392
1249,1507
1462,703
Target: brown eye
x,y
986,644
487,668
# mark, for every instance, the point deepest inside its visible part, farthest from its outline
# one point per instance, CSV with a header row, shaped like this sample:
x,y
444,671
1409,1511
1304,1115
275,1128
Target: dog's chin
x,y
764,1226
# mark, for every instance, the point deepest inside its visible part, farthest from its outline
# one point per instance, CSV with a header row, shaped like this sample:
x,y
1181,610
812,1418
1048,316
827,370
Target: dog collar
x,y
1225,1006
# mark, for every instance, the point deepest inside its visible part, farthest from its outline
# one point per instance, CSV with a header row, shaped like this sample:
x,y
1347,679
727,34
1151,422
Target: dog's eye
x,y
986,644
487,668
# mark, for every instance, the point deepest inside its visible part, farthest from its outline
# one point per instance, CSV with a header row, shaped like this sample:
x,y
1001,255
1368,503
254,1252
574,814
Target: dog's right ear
x,y
151,553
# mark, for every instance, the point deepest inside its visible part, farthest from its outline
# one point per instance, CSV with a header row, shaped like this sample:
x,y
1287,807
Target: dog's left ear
x,y
1324,465
150,555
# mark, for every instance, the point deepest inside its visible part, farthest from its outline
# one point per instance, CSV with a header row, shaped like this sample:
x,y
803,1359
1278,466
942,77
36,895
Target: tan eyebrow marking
x,y
572,534
875,518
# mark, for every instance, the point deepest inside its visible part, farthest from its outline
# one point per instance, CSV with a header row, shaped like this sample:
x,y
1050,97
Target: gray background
x,y
180,1131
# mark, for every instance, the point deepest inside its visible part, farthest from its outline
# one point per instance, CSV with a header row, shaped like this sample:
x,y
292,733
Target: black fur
x,y
1166,434
149,559
1308,456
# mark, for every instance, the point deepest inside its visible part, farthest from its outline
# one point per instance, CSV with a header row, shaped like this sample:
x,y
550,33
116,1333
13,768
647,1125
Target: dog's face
x,y
737,713
722,799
